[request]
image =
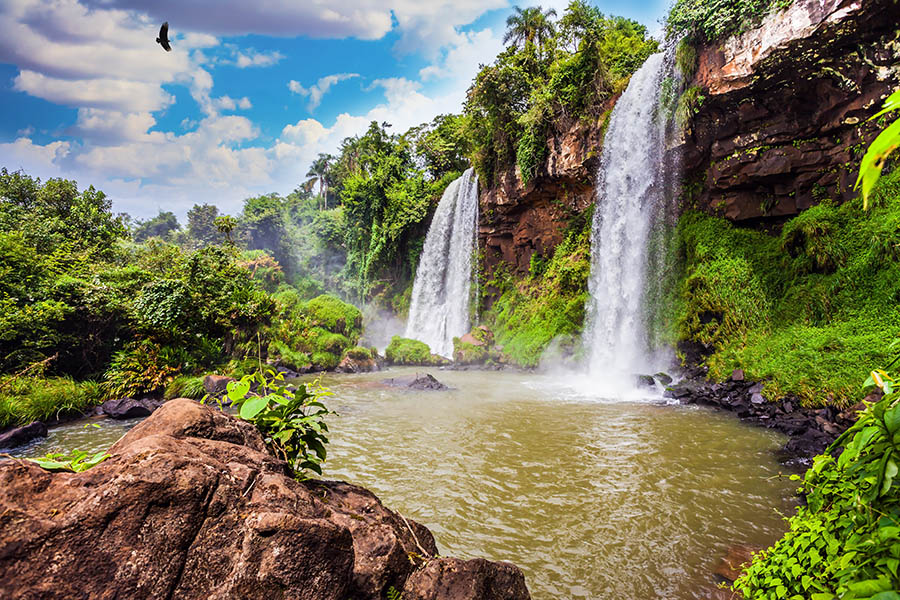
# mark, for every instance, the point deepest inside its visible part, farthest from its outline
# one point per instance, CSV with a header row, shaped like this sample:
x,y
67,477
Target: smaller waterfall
x,y
439,310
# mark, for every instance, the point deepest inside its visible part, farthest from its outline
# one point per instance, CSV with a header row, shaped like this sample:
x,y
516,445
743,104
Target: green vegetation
x,y
547,305
88,314
845,543
703,21
359,353
292,421
35,398
185,386
804,310
77,461
553,74
404,351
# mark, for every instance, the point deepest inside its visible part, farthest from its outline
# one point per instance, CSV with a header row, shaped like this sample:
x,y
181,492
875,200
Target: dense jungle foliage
x,y
88,313
553,73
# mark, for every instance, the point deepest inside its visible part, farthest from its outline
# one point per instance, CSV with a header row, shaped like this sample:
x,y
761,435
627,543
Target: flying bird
x,y
163,39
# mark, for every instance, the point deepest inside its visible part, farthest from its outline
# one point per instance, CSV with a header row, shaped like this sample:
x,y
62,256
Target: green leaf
x,y
51,465
873,161
237,390
890,471
892,419
253,407
892,103
280,399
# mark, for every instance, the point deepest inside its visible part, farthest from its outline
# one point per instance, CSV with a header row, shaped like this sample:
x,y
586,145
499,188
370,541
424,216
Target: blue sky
x,y
250,93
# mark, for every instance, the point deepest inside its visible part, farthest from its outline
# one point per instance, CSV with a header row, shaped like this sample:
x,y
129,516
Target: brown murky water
x,y
592,498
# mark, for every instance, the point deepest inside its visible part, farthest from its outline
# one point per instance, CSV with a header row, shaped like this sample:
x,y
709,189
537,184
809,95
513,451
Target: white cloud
x,y
115,94
252,58
108,127
464,55
319,88
98,56
33,158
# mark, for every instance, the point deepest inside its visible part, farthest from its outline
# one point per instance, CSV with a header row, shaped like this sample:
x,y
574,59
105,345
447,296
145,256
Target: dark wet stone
x,y
645,381
419,381
663,378
22,435
130,408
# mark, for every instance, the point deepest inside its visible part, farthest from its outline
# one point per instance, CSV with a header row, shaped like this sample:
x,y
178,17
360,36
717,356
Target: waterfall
x,y
632,192
439,310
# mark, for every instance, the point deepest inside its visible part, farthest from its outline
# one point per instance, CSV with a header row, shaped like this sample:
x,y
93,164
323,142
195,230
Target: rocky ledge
x,y
518,219
811,430
192,505
784,118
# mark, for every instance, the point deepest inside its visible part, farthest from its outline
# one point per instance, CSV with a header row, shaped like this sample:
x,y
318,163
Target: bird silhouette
x,y
163,39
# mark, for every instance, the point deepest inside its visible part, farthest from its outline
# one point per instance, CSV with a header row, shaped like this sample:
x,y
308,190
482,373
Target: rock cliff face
x,y
191,505
518,220
783,123
781,127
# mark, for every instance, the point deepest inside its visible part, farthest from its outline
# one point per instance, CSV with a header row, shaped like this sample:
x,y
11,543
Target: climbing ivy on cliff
x,y
705,21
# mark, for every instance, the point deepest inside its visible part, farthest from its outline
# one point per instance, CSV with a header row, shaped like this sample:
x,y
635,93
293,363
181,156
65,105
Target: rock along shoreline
x,y
810,430
192,505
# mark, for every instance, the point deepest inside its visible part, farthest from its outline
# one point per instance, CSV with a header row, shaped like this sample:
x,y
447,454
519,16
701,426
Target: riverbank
x,y
810,430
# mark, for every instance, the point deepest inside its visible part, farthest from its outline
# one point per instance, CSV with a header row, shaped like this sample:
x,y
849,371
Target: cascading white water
x,y
630,191
439,310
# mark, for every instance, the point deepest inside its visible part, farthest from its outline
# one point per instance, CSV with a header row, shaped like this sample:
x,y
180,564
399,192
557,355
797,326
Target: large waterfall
x,y
440,298
631,194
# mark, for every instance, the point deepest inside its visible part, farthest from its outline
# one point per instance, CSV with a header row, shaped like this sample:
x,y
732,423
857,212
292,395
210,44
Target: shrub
x,y
325,360
725,299
810,238
465,353
26,399
688,104
844,542
686,58
359,353
292,421
334,315
141,368
404,351
185,386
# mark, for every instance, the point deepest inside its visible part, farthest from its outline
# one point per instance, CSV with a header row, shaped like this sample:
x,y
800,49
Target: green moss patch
x,y
807,309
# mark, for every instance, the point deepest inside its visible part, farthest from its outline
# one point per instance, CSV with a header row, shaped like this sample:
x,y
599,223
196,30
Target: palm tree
x,y
318,172
531,26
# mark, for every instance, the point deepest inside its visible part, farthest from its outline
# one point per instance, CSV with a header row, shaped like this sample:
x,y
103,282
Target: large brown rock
x,y
784,118
192,505
477,579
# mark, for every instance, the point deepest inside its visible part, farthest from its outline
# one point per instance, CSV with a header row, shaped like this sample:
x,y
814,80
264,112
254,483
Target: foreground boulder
x,y
192,505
